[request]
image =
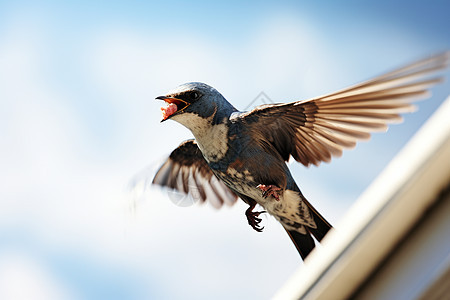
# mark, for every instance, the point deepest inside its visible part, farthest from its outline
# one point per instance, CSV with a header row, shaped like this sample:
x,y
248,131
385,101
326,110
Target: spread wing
x,y
317,129
187,171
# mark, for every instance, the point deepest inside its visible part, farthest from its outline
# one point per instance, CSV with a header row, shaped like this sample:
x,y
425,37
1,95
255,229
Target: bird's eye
x,y
194,95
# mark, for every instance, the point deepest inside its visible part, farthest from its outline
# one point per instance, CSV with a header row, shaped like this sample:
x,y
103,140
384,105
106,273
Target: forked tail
x,y
304,242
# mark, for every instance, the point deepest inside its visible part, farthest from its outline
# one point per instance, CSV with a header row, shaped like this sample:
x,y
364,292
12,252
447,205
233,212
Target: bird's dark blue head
x,y
191,101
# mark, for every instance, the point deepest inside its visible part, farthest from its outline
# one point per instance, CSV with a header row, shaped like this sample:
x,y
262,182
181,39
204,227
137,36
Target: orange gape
x,y
169,110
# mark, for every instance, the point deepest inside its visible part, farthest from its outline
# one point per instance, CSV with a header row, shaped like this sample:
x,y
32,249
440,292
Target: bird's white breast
x,y
211,139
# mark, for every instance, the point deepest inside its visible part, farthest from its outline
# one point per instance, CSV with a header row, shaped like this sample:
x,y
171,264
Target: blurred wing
x,y
187,171
317,129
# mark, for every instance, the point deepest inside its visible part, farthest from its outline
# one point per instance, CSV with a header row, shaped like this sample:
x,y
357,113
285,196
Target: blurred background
x,y
78,122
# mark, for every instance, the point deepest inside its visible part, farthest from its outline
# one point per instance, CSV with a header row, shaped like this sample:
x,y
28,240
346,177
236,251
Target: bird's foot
x,y
252,218
270,190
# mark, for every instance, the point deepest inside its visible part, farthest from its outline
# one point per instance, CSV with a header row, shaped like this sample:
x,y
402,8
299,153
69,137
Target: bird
x,y
244,155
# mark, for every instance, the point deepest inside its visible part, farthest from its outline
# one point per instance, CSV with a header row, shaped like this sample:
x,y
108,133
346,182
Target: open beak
x,y
174,105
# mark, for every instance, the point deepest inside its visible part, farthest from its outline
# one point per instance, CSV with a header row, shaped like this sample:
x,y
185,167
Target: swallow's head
x,y
190,101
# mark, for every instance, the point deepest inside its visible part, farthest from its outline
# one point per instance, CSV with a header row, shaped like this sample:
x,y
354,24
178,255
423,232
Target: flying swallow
x,y
243,154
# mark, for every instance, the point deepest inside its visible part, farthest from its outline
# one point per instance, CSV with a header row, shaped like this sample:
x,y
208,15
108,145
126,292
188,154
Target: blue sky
x,y
78,122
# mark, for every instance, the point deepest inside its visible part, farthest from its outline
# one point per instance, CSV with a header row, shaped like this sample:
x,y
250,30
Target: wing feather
x,y
315,130
188,172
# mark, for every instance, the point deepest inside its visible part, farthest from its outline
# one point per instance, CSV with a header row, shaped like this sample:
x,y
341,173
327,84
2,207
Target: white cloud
x,y
24,278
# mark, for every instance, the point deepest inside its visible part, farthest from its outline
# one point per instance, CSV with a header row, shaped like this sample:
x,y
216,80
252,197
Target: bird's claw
x,y
270,190
253,220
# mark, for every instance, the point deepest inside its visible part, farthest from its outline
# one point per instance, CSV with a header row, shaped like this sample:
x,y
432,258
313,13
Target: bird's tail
x,y
322,226
304,242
